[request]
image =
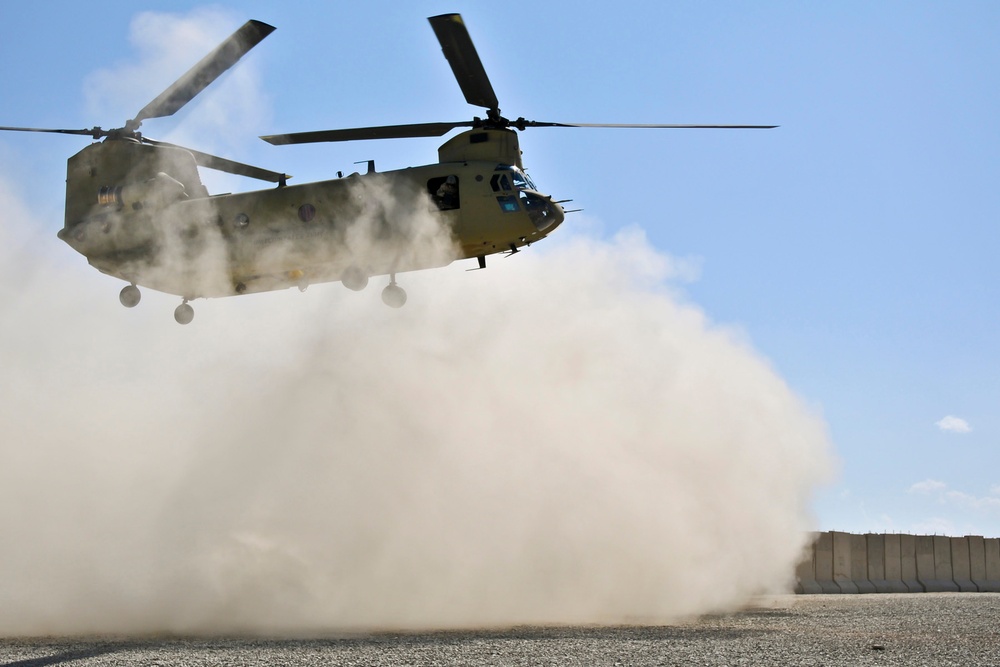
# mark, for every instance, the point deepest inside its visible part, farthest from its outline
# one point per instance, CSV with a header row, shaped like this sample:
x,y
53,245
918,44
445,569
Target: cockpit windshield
x,y
520,179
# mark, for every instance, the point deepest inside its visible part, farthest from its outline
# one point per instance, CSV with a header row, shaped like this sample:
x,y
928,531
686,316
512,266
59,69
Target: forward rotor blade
x,y
464,60
205,72
382,132
226,165
519,123
96,132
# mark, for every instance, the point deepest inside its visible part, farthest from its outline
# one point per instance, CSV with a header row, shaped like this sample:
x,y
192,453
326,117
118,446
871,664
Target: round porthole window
x,y
307,212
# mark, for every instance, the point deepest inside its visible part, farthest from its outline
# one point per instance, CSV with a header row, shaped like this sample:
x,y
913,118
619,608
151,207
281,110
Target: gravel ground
x,y
921,629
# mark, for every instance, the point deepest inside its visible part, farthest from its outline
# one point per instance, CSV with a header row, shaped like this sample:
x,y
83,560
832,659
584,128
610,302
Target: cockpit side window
x,y
444,191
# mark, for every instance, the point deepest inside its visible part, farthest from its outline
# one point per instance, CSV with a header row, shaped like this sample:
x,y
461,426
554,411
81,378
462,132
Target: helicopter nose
x,y
545,214
554,217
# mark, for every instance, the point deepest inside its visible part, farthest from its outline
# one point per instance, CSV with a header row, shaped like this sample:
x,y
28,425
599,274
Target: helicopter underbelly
x,y
209,274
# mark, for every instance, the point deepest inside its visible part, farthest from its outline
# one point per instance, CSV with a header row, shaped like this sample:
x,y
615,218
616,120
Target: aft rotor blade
x,y
205,72
382,132
96,132
226,165
464,60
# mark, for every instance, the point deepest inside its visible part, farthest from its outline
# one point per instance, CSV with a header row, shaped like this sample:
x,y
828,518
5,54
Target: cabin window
x,y
508,204
500,182
307,212
444,191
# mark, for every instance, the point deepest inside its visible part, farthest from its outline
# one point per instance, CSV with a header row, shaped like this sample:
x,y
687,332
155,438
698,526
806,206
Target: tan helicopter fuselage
x,y
141,213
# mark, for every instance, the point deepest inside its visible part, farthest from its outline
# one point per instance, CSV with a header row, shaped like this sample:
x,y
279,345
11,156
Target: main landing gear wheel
x,y
393,295
184,313
129,296
354,279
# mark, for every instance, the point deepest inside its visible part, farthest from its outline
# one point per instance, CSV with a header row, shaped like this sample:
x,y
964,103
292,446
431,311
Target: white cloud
x,y
969,501
961,506
928,486
935,526
954,424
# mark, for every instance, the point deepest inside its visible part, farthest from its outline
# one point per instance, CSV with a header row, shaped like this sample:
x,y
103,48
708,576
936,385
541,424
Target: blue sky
x,y
853,247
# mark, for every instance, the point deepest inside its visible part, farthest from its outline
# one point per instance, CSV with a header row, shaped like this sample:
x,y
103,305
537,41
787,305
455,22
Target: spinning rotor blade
x,y
382,132
205,72
96,132
475,84
439,129
464,60
223,164
521,123
203,159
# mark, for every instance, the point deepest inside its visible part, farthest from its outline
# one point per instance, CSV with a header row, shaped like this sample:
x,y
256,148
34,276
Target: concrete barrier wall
x,y
991,549
837,562
884,564
908,563
823,547
961,564
805,573
842,555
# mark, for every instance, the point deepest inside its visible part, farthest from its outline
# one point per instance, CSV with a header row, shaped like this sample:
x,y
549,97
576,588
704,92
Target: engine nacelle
x,y
159,191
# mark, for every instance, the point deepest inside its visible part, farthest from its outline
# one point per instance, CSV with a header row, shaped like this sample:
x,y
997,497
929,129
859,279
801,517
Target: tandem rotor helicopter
x,y
137,210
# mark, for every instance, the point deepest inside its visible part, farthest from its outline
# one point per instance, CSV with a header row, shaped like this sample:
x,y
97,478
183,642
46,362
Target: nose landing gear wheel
x,y
184,313
393,295
129,296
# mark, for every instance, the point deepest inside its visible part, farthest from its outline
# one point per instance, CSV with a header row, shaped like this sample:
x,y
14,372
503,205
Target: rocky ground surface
x,y
912,630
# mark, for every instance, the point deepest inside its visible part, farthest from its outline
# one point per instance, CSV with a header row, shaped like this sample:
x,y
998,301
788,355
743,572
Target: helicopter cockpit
x,y
507,178
515,191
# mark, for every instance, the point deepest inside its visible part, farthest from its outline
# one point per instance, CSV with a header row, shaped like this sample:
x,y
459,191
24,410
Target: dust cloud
x,y
560,438
557,439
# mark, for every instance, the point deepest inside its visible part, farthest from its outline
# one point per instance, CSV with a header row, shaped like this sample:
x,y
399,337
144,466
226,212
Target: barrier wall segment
x,y
838,562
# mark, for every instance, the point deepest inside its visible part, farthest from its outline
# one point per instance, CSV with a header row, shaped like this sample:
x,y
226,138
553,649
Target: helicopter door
x,y
444,191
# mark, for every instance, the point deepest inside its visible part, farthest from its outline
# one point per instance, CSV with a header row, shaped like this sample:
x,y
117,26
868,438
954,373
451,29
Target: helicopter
x,y
137,209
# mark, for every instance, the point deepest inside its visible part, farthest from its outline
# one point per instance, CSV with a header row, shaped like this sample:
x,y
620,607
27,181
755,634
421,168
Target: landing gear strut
x,y
393,295
129,296
184,313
